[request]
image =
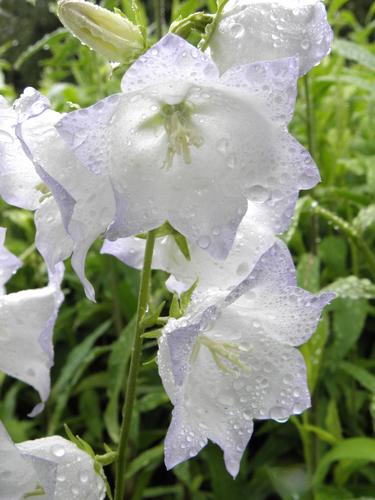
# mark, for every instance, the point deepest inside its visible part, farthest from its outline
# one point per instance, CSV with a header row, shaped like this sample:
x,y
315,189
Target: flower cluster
x,y
198,141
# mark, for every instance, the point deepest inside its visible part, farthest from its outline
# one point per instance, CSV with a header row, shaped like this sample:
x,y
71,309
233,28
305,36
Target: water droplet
x,y
279,414
305,44
58,450
204,242
237,30
298,408
83,477
222,145
231,161
60,477
257,194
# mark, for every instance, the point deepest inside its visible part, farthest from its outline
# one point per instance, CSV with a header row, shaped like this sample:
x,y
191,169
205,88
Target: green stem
x,y
159,15
134,367
211,28
310,119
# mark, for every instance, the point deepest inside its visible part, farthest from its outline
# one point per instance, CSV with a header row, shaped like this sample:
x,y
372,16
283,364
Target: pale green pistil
x,y
180,130
223,353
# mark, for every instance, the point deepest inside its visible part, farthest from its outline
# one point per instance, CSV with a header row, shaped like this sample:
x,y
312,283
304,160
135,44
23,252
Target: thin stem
x,y
211,28
134,367
310,119
159,16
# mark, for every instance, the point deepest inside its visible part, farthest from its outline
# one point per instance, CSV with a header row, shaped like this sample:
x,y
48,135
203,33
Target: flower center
x,y
225,354
177,120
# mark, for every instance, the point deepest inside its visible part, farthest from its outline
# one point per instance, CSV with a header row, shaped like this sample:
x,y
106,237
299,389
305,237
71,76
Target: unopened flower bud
x,y
108,33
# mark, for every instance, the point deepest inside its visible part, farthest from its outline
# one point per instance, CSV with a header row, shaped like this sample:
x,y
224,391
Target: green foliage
x,y
325,454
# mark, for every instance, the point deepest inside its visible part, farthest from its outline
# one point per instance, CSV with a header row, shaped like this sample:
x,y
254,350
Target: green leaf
x,y
78,360
313,351
334,251
325,436
360,448
117,367
348,321
365,218
332,420
150,458
308,272
352,288
354,52
361,375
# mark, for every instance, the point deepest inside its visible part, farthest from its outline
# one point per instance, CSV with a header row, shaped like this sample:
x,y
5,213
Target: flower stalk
x,y
134,366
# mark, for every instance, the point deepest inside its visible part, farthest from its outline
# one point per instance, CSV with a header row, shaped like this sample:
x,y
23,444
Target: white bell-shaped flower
x,y
50,468
27,319
232,359
184,144
260,30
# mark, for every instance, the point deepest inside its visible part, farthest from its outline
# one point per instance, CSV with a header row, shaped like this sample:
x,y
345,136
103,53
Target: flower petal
x,y
9,263
172,57
75,474
270,299
51,239
18,179
85,215
17,476
27,319
254,30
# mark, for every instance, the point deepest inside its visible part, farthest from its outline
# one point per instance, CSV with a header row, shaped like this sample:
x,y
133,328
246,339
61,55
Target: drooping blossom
x,y
253,238
184,144
232,359
52,468
257,30
27,319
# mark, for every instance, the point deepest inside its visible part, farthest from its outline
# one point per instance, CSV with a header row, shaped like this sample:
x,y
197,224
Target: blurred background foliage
x,y
328,453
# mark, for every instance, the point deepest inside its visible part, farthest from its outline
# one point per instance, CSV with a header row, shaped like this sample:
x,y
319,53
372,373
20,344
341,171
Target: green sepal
x,y
167,229
195,22
180,303
151,318
38,492
150,361
152,334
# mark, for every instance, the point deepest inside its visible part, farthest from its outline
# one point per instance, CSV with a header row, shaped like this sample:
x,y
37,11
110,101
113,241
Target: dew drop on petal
x,y
298,408
58,451
204,242
305,44
222,145
237,30
279,414
257,194
83,477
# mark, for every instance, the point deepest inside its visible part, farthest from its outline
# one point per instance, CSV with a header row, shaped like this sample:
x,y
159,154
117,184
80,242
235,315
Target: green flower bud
x,y
110,34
